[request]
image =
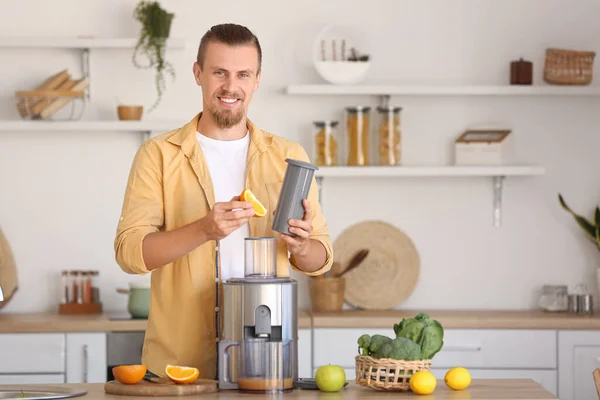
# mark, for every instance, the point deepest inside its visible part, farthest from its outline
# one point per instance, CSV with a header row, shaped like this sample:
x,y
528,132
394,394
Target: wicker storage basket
x,y
568,67
386,373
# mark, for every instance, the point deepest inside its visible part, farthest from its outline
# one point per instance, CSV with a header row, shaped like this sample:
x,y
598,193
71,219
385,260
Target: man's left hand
x,y
300,244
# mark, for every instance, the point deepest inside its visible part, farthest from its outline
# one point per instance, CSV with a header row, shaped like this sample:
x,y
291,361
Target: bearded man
x,y
182,218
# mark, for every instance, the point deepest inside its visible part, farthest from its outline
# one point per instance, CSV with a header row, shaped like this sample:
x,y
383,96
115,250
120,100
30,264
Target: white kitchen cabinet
x,y
469,348
487,353
31,379
32,353
304,353
578,353
86,358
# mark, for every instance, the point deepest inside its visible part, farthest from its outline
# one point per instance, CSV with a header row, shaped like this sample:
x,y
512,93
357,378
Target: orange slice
x,y
129,374
181,375
259,209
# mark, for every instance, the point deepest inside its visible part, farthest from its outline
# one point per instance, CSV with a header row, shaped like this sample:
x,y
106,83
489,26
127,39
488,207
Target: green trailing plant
x,y
155,30
591,229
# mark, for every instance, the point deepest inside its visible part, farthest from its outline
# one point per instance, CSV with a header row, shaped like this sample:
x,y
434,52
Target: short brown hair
x,y
230,34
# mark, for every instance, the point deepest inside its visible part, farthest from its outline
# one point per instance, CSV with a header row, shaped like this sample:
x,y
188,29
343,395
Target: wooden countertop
x,y
450,319
463,319
54,322
485,389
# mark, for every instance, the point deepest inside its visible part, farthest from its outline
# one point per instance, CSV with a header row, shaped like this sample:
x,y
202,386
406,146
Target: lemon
x,y
330,378
457,378
422,382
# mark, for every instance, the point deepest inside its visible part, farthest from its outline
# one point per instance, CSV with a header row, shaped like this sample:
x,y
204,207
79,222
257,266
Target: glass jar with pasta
x,y
326,145
357,130
388,135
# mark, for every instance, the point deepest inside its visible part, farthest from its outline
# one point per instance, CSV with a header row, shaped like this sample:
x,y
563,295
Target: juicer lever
x,y
262,322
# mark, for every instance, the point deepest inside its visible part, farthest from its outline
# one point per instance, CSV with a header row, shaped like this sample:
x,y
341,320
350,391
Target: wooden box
x,y
482,147
85,308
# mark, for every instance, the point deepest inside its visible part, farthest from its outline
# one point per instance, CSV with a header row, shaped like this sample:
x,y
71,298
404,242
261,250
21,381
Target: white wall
x,y
61,193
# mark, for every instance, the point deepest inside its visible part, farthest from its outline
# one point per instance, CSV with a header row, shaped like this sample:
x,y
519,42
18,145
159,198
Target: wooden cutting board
x,y
161,387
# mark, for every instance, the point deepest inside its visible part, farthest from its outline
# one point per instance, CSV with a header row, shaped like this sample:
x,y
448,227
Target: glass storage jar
x,y
326,145
388,135
357,130
554,298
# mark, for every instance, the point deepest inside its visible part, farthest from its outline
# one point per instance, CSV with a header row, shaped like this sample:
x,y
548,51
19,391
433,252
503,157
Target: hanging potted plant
x,y
156,26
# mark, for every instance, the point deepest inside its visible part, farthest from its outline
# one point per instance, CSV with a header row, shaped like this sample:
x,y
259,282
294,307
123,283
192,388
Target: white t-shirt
x,y
226,160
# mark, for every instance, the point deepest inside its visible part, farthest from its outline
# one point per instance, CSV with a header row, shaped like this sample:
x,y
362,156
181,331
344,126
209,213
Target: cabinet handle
x,y
85,363
462,348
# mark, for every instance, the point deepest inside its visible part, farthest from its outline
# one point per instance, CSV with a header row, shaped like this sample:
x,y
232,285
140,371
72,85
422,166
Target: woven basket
x,y
386,373
568,67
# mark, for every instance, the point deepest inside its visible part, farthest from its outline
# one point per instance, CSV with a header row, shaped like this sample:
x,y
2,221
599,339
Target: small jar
x,y
554,298
326,144
357,130
388,135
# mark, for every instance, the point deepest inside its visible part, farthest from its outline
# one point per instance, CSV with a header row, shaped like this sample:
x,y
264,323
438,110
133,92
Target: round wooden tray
x,y
389,273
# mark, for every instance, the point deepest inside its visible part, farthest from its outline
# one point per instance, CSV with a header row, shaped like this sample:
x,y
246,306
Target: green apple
x,y
330,378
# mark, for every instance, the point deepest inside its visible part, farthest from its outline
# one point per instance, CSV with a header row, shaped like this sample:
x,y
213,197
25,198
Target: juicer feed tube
x,y
296,185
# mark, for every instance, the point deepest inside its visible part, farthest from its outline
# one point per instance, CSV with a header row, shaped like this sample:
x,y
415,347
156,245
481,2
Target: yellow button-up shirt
x,y
170,186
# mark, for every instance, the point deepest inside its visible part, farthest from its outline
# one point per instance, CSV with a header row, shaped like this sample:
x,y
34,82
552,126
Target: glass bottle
x,y
64,287
326,145
357,130
388,135
95,290
73,286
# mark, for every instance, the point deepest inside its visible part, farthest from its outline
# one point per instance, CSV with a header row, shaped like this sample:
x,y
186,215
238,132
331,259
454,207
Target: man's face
x,y
228,79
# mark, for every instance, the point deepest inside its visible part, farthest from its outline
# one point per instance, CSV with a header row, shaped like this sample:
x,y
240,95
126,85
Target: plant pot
x,y
138,304
130,113
162,25
327,294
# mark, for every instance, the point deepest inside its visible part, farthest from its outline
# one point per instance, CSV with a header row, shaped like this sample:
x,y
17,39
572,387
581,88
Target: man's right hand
x,y
225,217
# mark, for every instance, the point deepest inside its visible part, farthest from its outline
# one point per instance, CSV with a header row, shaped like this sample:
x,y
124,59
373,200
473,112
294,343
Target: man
x,y
182,217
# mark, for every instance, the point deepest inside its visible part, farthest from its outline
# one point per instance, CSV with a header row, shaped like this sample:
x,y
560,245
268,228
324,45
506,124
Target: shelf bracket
x,y
320,190
498,182
85,69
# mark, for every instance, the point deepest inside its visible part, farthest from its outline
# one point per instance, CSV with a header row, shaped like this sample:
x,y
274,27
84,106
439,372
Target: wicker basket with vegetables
x,y
386,363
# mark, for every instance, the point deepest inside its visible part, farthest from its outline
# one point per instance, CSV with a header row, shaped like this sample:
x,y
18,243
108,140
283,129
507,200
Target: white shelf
x,y
441,90
497,173
77,43
88,126
428,171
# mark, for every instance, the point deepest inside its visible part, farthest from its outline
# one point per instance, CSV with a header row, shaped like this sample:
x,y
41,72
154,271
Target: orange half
x,y
179,374
259,209
129,374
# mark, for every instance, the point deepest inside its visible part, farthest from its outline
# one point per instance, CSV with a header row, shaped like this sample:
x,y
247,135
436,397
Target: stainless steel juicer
x,y
259,348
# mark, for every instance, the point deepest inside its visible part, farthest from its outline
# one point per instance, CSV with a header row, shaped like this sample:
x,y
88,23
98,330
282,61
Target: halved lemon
x,y
259,209
180,374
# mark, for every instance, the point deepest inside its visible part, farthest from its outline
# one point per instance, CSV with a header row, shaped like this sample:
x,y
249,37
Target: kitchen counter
x,y
521,389
455,319
54,322
450,319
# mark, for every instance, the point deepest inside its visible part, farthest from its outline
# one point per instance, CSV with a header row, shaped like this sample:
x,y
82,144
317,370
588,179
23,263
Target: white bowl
x,y
342,72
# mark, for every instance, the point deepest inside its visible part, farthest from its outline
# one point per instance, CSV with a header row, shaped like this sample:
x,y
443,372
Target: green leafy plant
x,y
417,338
156,27
592,230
